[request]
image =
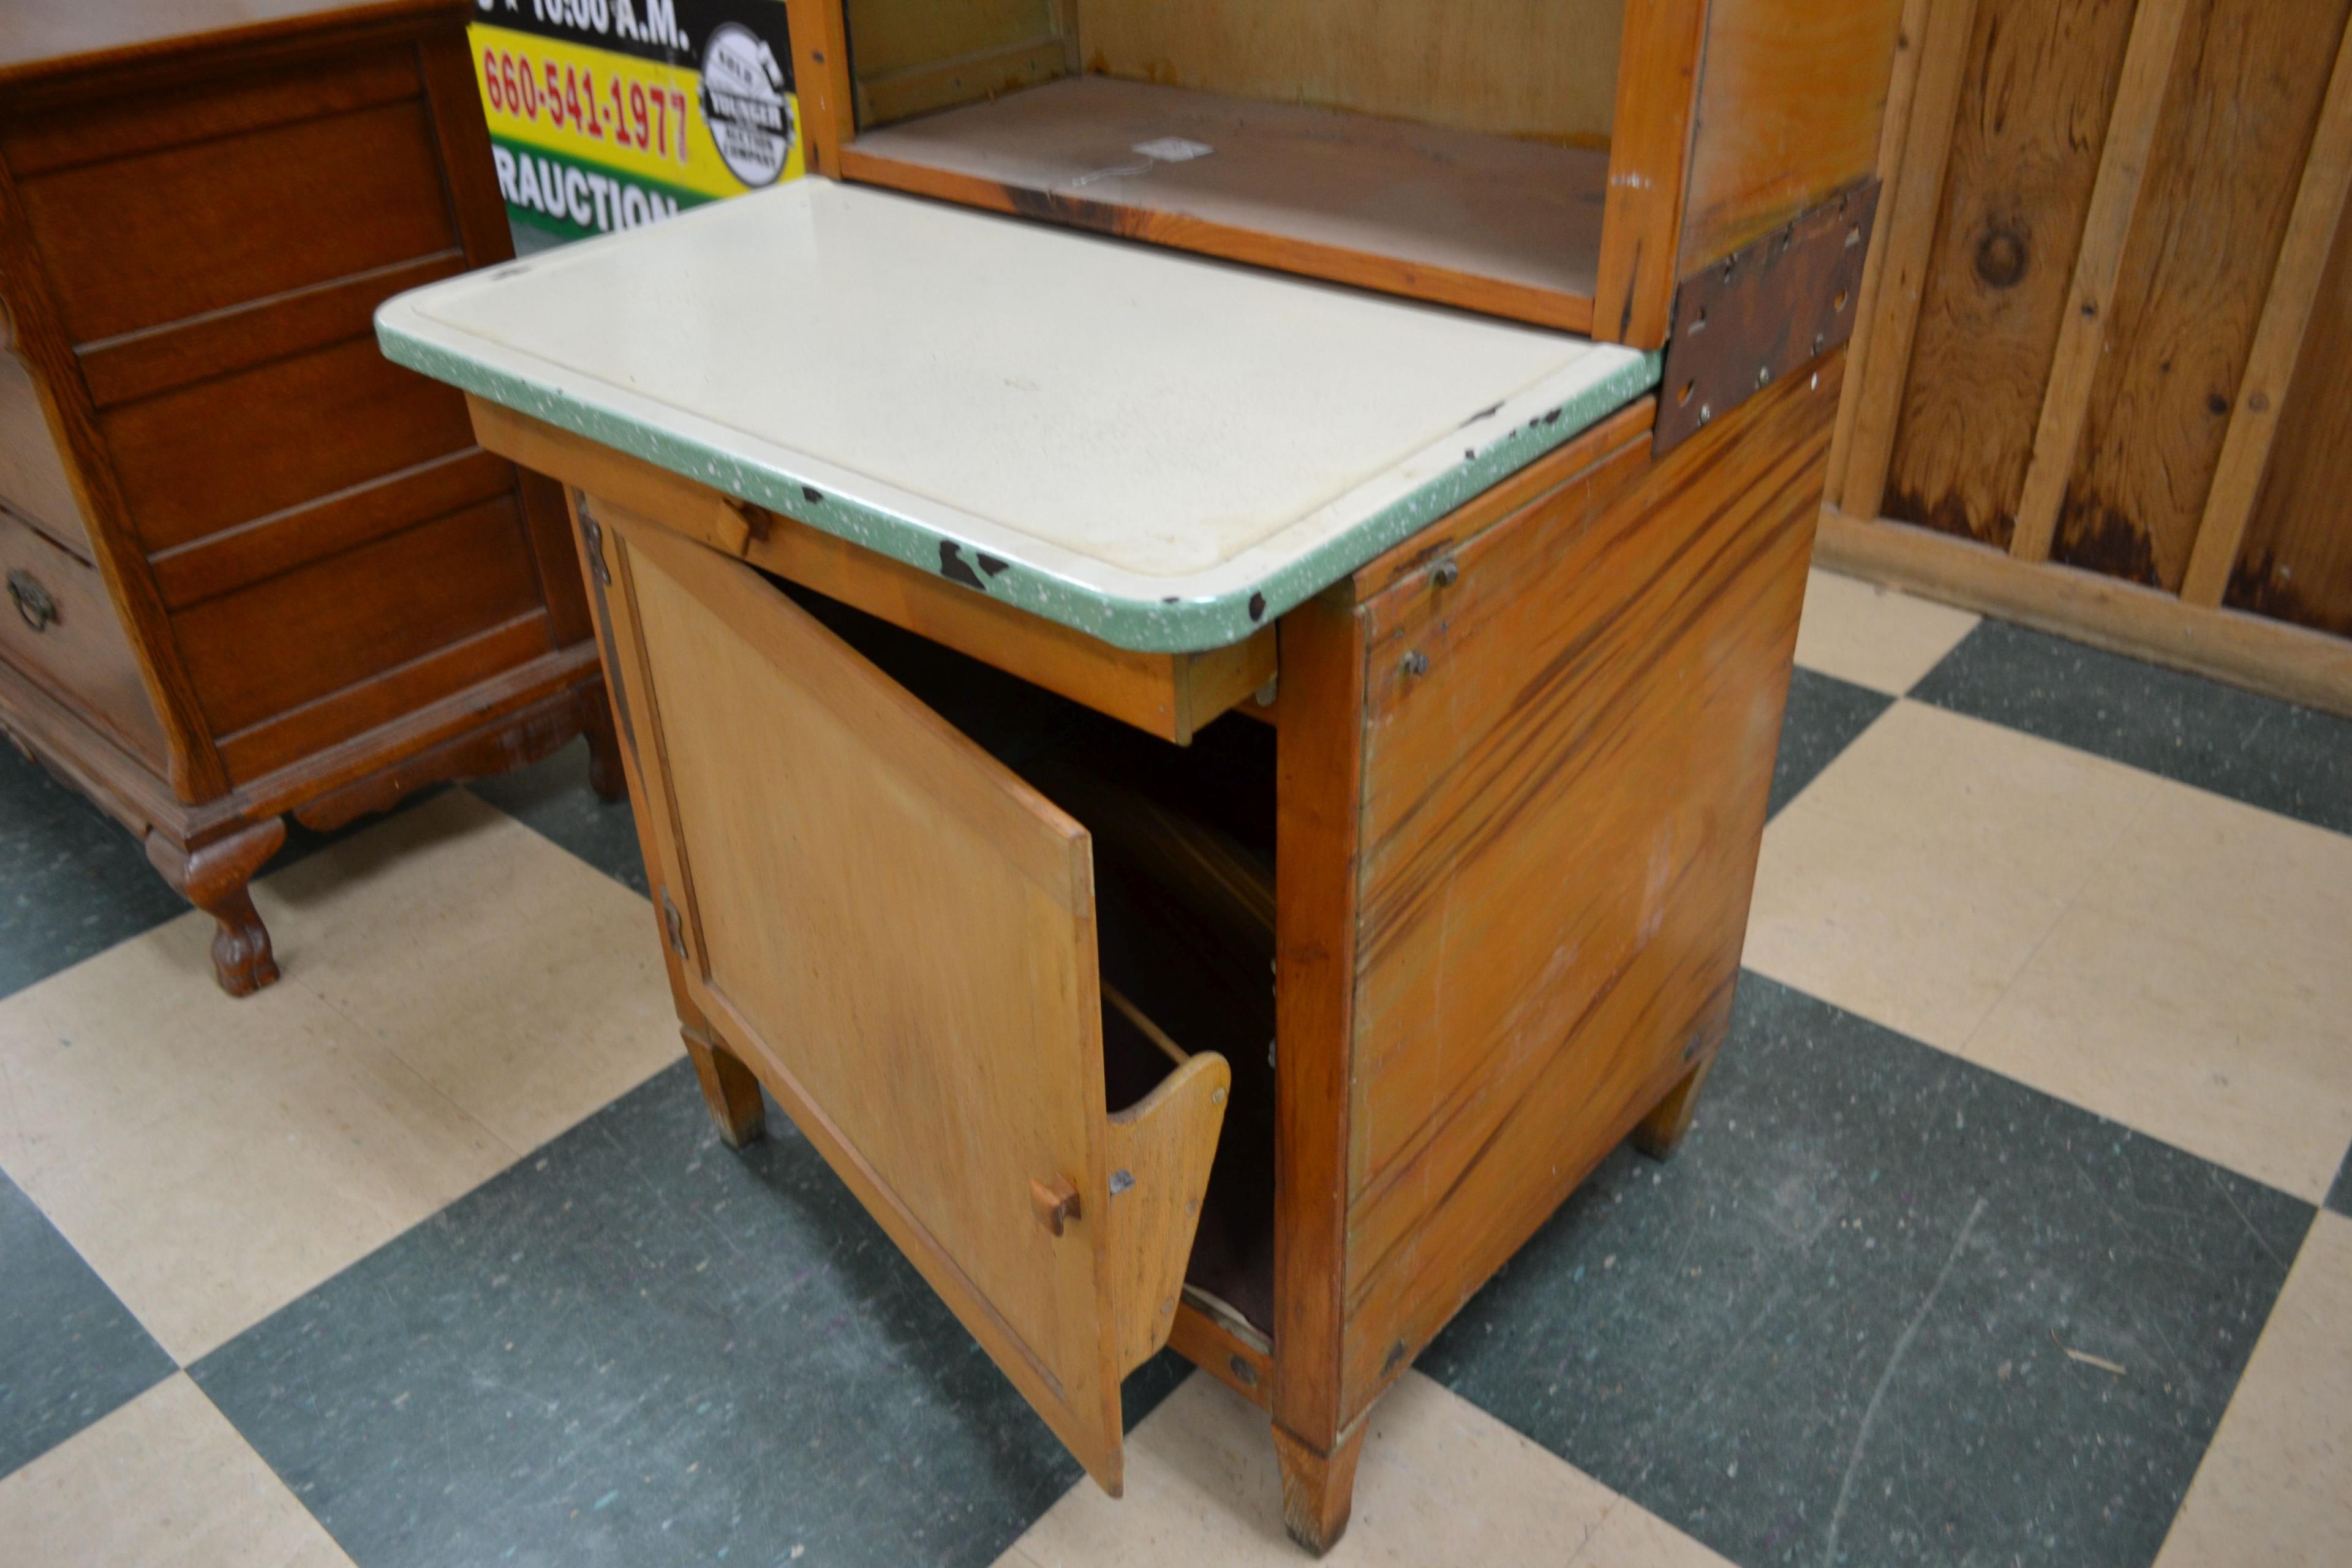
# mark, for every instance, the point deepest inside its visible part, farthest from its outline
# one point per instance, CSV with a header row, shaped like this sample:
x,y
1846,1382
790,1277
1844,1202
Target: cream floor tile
x,y
1913,878
2236,879
2234,1057
2277,1484
1875,636
163,1482
214,1158
516,978
1440,1481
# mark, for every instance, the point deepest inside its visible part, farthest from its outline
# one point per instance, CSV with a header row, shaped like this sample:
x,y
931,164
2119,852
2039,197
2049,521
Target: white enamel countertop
x,y
1157,448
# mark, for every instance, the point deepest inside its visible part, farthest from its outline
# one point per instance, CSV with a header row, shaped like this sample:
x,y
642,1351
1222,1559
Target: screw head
x,y
1416,663
1446,574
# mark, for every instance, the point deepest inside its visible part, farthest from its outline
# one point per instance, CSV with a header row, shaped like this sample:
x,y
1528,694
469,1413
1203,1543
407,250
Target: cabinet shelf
x,y
1489,222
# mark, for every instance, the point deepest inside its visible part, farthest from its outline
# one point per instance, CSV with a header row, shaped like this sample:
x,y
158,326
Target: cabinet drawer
x,y
898,934
60,627
33,479
1172,696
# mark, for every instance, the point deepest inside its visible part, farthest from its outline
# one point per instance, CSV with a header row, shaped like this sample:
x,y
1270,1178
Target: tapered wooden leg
x,y
605,774
728,1088
1318,1489
216,878
1660,1132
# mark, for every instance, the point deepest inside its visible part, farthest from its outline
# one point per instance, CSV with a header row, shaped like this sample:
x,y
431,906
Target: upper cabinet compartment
x,y
1454,152
1565,162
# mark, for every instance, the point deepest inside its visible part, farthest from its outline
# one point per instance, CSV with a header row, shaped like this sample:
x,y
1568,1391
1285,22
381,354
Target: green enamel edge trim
x,y
1142,625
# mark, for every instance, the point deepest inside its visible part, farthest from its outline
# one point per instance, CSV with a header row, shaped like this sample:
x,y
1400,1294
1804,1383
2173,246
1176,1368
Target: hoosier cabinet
x,y
1199,631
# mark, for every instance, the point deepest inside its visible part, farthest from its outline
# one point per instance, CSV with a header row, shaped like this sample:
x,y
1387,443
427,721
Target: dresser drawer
x,y
32,480
60,628
898,934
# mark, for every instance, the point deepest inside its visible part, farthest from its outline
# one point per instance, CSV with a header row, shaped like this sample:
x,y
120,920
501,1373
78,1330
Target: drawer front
x,y
898,936
33,479
58,626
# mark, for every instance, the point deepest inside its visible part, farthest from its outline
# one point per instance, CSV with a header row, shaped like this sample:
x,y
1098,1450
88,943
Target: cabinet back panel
x,y
889,36
335,623
1539,68
32,480
164,236
217,454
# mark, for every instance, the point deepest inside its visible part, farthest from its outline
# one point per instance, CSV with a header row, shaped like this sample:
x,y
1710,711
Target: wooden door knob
x,y
1055,1206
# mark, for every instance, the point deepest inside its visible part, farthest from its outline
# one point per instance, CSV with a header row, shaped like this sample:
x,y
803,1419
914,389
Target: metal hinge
x,y
673,924
1763,311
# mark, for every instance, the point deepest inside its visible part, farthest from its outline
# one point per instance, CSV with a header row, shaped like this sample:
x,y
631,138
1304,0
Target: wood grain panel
x,y
221,563
2244,95
141,364
1789,99
1539,68
2038,87
305,634
1562,810
345,735
2296,561
1318,789
902,934
2286,321
168,235
216,455
122,124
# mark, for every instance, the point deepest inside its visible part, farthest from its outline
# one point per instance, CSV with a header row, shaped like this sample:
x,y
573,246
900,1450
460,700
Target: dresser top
x,y
40,37
1159,450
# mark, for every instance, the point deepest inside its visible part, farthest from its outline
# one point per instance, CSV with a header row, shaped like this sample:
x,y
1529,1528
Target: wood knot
x,y
2000,258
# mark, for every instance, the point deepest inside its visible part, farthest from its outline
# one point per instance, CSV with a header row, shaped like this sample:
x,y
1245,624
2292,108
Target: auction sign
x,y
606,114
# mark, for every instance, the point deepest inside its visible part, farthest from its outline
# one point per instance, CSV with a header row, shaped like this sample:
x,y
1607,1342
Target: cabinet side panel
x,y
1790,96
1563,808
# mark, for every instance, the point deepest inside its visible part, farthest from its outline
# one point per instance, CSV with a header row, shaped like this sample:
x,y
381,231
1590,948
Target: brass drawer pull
x,y
32,600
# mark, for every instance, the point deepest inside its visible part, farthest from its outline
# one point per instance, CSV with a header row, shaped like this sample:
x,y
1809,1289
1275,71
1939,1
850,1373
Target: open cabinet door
x,y
897,935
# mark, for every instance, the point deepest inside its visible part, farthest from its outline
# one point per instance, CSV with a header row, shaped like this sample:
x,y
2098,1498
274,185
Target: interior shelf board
x,y
1490,223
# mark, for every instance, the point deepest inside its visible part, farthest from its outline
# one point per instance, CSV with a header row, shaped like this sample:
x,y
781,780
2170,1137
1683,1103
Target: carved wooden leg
x,y
605,774
1658,1134
214,876
1318,1489
728,1088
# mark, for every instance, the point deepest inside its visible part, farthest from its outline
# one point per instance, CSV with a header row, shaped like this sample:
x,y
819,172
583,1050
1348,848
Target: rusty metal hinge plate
x,y
1761,312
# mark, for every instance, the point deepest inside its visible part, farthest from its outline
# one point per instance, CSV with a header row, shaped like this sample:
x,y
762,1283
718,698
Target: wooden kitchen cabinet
x,y
252,569
1213,795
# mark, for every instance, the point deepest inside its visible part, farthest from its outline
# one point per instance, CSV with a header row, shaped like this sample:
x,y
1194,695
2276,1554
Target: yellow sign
x,y
606,115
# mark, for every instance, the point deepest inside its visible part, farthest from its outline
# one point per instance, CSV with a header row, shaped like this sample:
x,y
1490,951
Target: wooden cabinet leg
x,y
1319,1489
1660,1132
215,877
728,1088
605,774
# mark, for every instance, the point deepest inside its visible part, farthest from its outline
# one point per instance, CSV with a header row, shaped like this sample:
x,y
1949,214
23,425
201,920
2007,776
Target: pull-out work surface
x,y
1161,451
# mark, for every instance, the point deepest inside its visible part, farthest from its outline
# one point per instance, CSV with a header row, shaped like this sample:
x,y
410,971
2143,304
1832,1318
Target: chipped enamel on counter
x,y
1162,451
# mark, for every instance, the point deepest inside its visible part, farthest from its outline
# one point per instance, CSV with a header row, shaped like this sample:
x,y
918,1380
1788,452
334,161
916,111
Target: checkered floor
x,y
2012,1230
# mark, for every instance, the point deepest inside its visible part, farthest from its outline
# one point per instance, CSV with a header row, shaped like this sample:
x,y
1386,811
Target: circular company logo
x,y
743,103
